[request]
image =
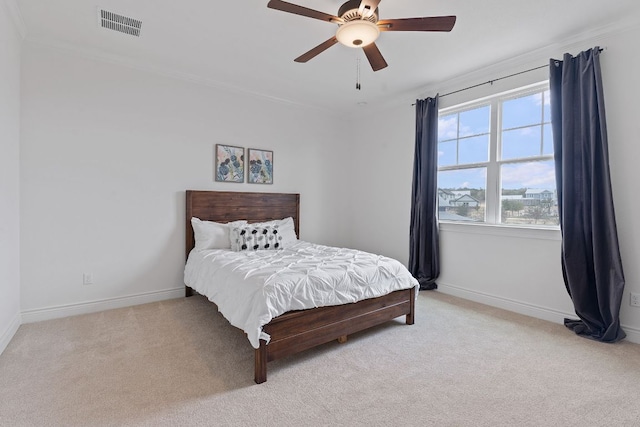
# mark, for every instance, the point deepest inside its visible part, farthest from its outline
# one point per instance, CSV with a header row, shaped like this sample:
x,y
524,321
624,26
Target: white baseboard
x,y
8,334
633,334
48,313
37,315
539,312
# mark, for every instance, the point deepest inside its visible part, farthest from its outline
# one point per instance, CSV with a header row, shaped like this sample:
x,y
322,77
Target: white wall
x,y
517,271
381,176
107,153
9,176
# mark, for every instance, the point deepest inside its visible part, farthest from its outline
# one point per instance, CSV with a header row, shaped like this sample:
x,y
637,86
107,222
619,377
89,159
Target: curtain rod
x,y
495,80
498,79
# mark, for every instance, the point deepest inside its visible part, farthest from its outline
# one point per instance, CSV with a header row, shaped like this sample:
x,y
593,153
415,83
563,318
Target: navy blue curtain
x,y
424,257
591,262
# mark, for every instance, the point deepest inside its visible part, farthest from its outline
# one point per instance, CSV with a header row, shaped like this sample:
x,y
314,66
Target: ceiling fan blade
x,y
375,57
433,23
369,5
317,50
303,11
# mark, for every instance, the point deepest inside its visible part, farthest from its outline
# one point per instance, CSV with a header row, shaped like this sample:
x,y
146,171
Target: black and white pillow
x,y
254,238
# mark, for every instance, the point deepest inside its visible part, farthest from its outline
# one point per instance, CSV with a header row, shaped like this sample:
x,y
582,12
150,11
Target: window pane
x,y
523,111
521,143
547,147
528,195
508,147
448,127
475,122
461,194
447,153
474,150
547,107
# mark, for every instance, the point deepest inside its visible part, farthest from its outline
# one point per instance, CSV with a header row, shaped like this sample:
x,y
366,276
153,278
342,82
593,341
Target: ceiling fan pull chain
x,y
358,87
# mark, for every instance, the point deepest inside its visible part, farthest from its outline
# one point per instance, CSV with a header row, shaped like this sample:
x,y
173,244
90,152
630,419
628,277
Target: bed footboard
x,y
297,331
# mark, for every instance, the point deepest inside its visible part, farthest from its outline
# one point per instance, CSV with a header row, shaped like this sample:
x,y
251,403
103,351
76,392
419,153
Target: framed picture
x,y
260,166
229,163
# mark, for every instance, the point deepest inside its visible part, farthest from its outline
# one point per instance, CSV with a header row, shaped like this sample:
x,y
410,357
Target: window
x,y
495,161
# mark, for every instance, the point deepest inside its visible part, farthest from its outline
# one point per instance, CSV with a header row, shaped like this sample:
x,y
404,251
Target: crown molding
x,y
113,59
579,41
16,16
487,72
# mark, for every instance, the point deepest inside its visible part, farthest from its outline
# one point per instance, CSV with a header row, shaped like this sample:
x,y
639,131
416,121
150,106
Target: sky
x,y
525,131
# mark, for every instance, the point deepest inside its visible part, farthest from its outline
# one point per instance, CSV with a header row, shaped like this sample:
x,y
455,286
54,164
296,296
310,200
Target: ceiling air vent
x,y
123,24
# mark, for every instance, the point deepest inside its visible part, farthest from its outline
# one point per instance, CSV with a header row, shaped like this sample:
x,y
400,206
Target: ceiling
x,y
243,45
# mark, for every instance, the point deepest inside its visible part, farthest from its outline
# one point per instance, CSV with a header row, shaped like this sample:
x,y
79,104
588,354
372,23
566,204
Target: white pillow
x,y
285,227
213,235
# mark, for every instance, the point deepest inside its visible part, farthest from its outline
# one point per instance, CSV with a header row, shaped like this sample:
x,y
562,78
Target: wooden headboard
x,y
225,206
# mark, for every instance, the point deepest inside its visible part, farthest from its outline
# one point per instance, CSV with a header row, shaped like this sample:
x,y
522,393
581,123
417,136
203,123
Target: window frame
x,y
495,162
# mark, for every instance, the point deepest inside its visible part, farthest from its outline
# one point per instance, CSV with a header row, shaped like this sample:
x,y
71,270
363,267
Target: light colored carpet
x,y
179,362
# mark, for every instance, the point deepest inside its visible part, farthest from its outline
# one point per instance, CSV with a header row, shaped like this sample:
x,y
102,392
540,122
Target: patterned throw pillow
x,y
254,238
286,229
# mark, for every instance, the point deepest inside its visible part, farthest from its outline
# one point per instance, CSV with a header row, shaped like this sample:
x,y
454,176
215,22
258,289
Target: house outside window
x,y
495,161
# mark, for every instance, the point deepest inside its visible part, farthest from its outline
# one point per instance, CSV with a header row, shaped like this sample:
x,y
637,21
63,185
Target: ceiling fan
x,y
359,26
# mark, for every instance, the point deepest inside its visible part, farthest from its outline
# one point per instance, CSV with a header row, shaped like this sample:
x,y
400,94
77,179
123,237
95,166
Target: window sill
x,y
547,233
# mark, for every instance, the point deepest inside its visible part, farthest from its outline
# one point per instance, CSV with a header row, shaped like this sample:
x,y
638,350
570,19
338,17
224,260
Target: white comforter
x,y
252,287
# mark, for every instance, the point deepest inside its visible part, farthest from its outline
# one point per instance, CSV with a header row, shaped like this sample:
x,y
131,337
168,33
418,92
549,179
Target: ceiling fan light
x,y
357,33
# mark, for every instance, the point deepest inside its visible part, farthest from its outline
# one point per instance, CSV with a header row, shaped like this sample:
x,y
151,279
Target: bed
x,y
298,330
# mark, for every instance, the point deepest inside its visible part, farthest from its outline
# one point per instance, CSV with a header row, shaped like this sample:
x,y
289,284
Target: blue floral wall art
x,y
229,163
260,166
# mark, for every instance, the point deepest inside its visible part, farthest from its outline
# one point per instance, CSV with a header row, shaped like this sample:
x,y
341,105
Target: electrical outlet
x,y
635,299
87,279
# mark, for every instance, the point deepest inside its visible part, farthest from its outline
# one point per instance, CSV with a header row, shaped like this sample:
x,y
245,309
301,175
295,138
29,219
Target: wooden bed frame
x,y
293,331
